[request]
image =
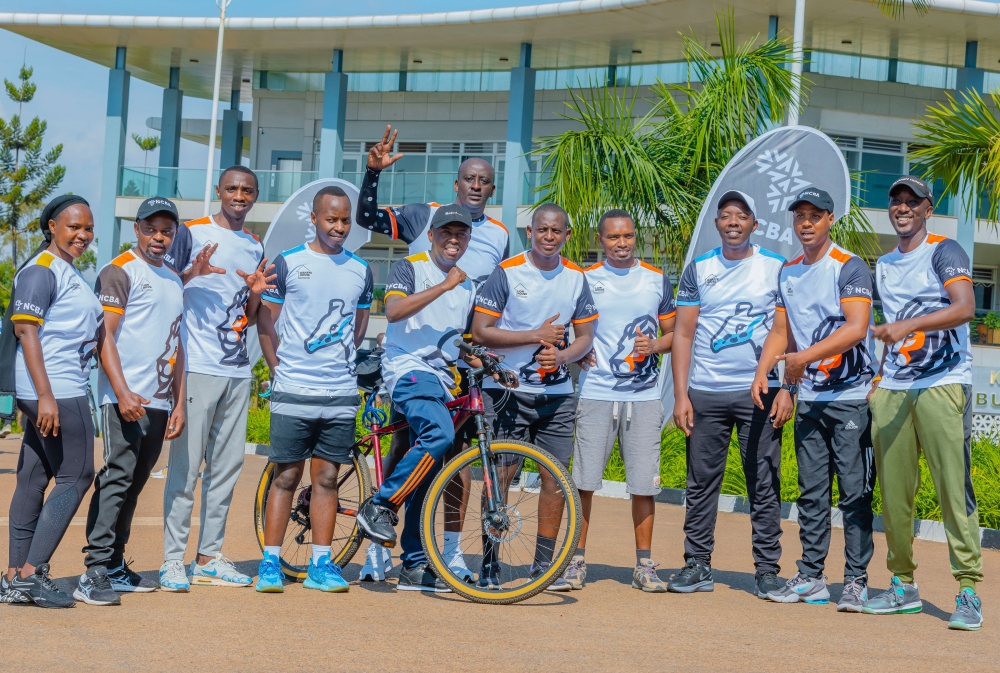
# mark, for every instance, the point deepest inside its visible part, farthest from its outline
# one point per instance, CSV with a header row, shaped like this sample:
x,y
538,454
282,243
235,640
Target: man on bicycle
x,y
323,294
427,304
488,246
524,311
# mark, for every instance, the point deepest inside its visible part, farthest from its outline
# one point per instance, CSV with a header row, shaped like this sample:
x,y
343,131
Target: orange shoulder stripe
x,y
570,265
123,259
200,220
594,267
498,223
511,262
935,238
247,231
650,267
796,260
839,256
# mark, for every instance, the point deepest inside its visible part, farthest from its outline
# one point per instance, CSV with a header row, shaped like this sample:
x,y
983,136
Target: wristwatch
x,y
792,389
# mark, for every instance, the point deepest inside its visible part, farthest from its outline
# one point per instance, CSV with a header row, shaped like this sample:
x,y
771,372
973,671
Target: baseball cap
x,y
916,185
157,204
817,197
736,195
451,213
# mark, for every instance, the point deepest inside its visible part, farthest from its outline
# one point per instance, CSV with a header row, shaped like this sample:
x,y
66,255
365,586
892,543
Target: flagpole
x,y
222,4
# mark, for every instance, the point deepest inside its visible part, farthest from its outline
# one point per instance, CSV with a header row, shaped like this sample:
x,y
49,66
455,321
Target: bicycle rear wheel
x,y
354,486
511,547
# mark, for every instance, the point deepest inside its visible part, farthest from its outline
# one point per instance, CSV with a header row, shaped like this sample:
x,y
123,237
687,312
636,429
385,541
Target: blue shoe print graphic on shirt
x,y
332,328
738,328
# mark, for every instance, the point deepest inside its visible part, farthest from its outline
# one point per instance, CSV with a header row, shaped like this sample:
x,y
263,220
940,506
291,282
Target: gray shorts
x,y
636,425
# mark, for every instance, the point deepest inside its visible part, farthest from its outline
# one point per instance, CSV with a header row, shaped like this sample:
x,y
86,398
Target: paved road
x,y
608,626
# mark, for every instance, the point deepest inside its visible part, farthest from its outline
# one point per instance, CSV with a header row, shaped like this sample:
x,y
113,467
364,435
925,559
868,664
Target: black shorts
x,y
464,434
545,420
294,439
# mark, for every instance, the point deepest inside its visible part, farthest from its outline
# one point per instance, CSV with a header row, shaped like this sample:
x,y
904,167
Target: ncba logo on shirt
x,y
27,306
486,301
108,299
952,271
858,290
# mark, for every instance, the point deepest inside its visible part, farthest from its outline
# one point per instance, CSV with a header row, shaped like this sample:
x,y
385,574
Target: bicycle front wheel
x,y
354,486
541,508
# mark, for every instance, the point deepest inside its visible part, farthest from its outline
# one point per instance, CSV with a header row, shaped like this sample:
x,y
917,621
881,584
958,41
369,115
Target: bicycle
x,y
503,528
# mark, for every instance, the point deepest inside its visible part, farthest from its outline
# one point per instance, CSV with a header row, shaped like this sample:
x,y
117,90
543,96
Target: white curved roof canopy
x,y
578,33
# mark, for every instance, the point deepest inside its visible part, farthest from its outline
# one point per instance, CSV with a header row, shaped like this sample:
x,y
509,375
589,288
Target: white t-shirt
x,y
53,294
319,295
914,284
425,341
629,301
811,295
215,321
150,300
524,297
736,300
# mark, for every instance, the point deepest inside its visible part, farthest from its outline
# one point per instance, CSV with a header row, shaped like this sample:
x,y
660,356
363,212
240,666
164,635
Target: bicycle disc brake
x,y
504,525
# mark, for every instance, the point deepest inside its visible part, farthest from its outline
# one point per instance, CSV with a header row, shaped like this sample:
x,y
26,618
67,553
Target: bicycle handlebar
x,y
491,361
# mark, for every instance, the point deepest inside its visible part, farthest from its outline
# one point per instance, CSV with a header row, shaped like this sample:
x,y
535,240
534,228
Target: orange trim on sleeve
x,y
668,316
480,309
780,308
498,223
394,292
392,219
838,255
650,267
514,261
570,265
936,238
583,320
114,309
27,318
847,299
952,280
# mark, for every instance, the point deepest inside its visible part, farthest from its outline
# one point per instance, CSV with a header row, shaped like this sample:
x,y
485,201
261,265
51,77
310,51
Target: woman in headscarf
x,y
56,319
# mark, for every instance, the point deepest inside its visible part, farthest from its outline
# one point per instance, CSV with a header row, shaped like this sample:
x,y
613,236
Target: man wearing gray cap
x,y
822,319
726,302
141,399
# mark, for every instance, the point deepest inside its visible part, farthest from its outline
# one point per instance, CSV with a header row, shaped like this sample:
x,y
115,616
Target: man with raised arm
x,y
821,332
725,307
489,245
222,266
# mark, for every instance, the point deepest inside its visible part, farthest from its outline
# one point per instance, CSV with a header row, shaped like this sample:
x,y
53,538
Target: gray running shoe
x,y
802,588
9,595
94,588
560,583
693,577
898,599
968,614
576,573
855,594
766,581
126,580
644,577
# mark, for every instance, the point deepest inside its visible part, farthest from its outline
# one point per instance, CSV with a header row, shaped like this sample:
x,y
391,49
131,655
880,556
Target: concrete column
x,y
331,141
772,33
520,116
232,138
402,80
772,27
108,231
968,79
798,35
170,135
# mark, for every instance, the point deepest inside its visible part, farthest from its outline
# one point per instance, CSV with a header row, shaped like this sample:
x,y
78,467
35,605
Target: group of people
x,y
168,325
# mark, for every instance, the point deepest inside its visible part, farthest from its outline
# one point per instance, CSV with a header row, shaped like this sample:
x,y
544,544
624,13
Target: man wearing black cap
x,y
725,306
141,398
922,401
428,300
821,332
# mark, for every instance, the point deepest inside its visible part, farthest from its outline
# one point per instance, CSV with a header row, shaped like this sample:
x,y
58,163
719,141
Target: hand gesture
x,y
684,414
454,278
891,333
380,155
758,389
643,343
587,361
795,367
551,332
261,279
131,406
202,265
549,357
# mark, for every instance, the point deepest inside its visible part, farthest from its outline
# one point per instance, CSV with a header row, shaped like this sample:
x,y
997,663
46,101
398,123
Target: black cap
x,y
451,213
817,197
737,195
915,185
157,204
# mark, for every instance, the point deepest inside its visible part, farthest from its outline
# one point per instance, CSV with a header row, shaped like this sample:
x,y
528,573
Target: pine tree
x,y
27,176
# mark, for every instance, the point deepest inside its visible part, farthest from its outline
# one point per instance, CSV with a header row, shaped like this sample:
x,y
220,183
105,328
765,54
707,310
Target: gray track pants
x,y
835,438
216,435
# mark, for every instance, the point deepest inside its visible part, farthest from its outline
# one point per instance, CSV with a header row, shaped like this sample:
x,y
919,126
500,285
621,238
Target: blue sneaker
x,y
269,576
219,572
325,576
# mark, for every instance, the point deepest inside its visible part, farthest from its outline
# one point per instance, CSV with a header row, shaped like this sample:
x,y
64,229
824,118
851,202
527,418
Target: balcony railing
x,y
277,186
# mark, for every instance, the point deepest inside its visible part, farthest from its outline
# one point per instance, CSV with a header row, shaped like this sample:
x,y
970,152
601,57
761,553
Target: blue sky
x,y
74,106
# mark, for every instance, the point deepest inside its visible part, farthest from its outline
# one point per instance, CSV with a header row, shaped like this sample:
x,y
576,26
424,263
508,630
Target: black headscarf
x,y
8,341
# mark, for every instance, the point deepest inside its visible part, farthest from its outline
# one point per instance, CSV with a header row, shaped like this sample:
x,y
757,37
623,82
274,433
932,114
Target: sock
x,y
319,551
545,547
906,579
273,552
642,555
489,551
580,552
451,543
966,583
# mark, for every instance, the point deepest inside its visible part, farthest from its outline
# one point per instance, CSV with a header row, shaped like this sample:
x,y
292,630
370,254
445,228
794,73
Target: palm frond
x,y
855,232
894,9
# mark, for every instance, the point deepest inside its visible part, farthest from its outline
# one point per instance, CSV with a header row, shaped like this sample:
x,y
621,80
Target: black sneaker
x,y
489,577
693,577
40,588
766,582
8,595
377,523
126,580
94,588
420,578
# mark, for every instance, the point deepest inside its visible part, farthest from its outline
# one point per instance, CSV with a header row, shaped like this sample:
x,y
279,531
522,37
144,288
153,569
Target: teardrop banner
x,y
772,169
292,226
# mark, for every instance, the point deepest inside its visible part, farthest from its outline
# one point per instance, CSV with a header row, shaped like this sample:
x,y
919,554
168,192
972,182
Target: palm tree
x,y
894,8
147,144
661,166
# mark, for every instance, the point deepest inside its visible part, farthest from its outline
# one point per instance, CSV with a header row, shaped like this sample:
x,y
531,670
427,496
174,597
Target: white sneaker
x,y
372,570
173,577
219,572
457,564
